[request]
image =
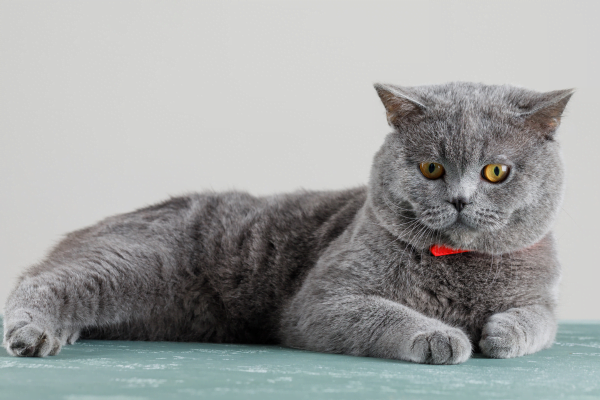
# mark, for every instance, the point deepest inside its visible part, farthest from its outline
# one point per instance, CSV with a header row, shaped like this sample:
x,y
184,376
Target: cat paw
x,y
28,340
440,346
503,337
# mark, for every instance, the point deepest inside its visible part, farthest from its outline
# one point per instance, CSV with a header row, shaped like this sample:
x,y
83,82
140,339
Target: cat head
x,y
469,166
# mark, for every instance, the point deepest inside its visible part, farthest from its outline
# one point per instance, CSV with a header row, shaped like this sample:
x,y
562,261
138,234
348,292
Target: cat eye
x,y
495,173
431,170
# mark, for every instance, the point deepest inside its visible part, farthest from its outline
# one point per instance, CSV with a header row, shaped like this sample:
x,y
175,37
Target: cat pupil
x,y
431,168
496,171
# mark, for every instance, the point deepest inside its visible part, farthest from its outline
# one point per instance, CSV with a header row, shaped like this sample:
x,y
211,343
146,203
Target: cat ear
x,y
400,104
546,111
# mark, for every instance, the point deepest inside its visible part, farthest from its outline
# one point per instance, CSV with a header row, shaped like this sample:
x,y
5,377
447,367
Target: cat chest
x,y
466,289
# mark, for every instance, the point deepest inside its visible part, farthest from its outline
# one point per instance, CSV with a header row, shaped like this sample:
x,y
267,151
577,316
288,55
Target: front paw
x,y
28,340
503,337
440,346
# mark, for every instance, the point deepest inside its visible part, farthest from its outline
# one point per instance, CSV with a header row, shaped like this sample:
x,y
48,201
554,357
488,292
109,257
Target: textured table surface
x,y
105,370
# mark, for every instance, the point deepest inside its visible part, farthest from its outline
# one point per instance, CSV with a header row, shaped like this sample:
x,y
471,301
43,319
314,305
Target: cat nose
x,y
459,203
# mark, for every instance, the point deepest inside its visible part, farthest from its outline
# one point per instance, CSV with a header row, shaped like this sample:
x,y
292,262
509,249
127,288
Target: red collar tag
x,y
440,250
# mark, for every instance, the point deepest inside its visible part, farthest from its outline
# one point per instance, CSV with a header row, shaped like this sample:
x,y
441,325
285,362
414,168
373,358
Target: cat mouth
x,y
466,225
463,222
458,222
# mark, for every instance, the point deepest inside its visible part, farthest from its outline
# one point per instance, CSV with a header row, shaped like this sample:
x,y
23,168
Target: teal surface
x,y
105,370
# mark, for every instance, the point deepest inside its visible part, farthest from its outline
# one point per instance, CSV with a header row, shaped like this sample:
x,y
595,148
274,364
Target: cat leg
x,y
371,326
97,286
42,314
518,331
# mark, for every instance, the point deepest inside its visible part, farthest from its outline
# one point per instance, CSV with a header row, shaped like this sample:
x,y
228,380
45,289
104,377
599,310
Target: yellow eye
x,y
431,170
495,173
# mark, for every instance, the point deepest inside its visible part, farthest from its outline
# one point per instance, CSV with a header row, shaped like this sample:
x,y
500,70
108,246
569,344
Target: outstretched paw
x,y
28,340
440,346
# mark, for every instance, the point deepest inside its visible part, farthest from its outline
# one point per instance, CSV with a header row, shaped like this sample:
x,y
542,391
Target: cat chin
x,y
461,235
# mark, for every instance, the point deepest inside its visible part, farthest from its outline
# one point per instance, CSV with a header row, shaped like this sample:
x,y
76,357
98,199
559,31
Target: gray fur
x,y
343,271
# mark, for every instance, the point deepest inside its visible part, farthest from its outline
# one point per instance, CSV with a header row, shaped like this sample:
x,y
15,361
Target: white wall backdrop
x,y
107,106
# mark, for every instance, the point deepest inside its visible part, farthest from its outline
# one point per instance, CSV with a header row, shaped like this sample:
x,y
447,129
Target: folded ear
x,y
400,104
546,110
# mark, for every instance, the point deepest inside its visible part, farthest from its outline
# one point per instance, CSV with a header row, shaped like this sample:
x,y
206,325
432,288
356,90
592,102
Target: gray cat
x,y
467,166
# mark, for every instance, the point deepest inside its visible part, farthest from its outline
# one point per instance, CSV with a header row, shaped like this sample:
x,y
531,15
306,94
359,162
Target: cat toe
x,y
502,339
443,346
31,341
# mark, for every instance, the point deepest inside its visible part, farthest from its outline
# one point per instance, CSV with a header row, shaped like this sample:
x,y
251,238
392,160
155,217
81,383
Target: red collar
x,y
441,250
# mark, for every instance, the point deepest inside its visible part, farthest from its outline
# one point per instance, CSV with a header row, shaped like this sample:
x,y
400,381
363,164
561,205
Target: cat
x,y
470,167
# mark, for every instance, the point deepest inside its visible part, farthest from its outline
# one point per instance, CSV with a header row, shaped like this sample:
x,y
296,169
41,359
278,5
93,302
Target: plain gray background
x,y
107,106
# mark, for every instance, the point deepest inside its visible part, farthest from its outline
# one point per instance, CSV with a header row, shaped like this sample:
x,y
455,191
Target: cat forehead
x,y
465,153
476,101
472,118
468,95
466,137
465,123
